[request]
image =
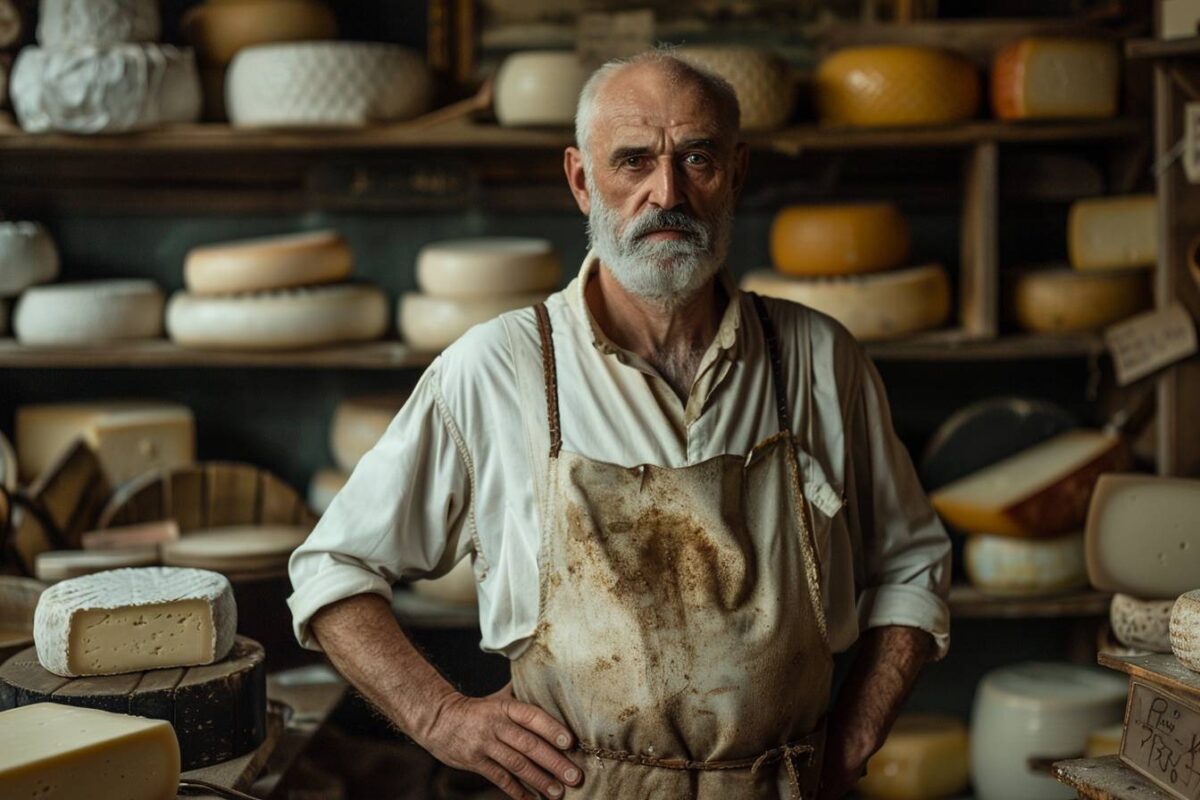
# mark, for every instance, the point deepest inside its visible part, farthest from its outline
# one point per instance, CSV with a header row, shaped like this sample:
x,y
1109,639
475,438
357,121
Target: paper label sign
x,y
1162,740
1150,341
619,34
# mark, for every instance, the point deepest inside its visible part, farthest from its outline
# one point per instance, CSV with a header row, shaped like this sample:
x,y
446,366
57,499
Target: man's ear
x,y
577,178
741,167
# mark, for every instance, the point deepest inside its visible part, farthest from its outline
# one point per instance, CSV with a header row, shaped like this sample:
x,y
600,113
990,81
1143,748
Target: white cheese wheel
x,y
1185,630
762,81
283,320
53,566
126,87
219,31
235,548
457,586
433,323
93,313
18,599
323,487
1047,77
326,84
486,266
539,87
886,305
1007,566
358,423
839,240
1142,624
266,264
1113,232
1064,300
925,756
27,257
8,464
1104,741
70,23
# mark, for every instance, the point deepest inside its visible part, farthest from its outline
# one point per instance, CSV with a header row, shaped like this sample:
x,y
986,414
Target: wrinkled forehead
x,y
646,105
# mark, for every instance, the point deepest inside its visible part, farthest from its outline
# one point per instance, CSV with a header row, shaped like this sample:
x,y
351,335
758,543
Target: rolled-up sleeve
x,y
404,512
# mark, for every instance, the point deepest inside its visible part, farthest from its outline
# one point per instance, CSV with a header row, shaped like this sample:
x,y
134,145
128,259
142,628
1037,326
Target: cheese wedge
x,y
358,423
1185,630
1006,566
816,241
539,88
1063,300
1141,624
1113,232
1046,77
276,262
486,266
762,81
925,757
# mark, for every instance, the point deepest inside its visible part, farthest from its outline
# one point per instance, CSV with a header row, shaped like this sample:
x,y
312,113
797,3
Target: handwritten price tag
x,y
1150,341
1162,740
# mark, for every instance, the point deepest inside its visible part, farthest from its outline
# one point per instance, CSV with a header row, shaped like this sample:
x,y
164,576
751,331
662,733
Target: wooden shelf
x,y
1163,48
967,602
1106,779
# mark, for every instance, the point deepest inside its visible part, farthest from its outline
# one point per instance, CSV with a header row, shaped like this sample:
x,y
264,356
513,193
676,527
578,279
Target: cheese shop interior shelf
x,y
967,602
1163,48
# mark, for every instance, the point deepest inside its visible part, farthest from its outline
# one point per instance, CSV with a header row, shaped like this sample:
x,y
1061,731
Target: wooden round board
x,y
219,711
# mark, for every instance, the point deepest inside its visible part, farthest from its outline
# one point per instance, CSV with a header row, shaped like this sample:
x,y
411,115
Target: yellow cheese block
x,y
1063,300
762,80
1043,77
1009,567
269,263
1113,232
895,86
810,241
925,757
1105,741
219,30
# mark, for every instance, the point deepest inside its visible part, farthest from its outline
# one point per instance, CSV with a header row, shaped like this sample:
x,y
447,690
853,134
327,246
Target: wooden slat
x,y
969,602
232,494
1161,669
1163,48
1106,779
980,256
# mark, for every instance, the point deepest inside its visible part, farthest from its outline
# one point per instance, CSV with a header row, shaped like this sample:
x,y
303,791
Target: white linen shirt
x,y
453,475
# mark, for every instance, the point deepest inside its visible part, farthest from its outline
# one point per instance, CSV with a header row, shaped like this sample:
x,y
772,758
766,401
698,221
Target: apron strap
x,y
773,352
550,376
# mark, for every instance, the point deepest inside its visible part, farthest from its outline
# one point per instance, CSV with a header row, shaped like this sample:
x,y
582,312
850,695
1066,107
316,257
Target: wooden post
x,y
978,271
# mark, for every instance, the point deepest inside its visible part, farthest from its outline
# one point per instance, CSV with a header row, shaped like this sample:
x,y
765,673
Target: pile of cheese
x,y
849,261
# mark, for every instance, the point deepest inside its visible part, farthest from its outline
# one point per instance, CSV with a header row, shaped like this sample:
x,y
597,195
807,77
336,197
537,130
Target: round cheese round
x,y
277,262
539,87
762,81
812,241
457,586
1141,624
358,423
433,323
235,548
219,31
1185,630
283,320
323,487
895,86
72,23
27,257
326,84
18,600
90,313
1113,232
925,756
1063,300
887,305
1008,566
59,565
1046,77
485,267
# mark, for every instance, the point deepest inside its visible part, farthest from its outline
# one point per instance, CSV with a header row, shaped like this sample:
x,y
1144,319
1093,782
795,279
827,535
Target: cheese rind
x,y
1063,300
277,262
762,81
434,323
358,423
236,548
52,566
486,266
1141,624
219,31
815,241
27,257
323,487
539,87
72,23
1043,77
925,757
128,620
92,313
1005,566
1113,232
1185,629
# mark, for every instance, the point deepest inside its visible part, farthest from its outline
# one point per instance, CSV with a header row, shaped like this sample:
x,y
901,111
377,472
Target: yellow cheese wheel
x,y
1044,77
895,86
263,265
761,79
1113,232
808,241
219,30
925,757
1063,300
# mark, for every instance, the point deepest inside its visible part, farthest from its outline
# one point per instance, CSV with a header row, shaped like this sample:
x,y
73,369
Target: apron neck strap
x,y
773,353
550,376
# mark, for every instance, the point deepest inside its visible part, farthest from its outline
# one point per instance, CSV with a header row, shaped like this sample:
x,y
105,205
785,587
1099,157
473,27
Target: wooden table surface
x,y
1106,779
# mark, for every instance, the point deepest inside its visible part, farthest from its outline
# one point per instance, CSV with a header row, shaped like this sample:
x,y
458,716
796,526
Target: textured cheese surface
x,y
1055,77
277,262
113,89
61,752
235,548
326,83
925,756
70,23
219,31
1064,300
358,423
28,257
885,305
323,487
433,323
1141,624
90,313
539,88
128,620
1185,630
58,565
762,81
813,241
1003,565
1113,232
486,266
456,587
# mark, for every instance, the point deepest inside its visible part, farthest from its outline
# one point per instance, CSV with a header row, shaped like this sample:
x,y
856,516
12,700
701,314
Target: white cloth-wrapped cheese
x,y
27,257
67,23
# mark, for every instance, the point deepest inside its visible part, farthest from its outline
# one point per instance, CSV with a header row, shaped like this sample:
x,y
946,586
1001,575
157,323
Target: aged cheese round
x,y
1104,741
282,320
96,312
125,87
1185,630
59,565
761,79
485,267
358,423
457,586
1063,300
1043,77
1008,566
433,323
812,241
894,86
326,84
925,757
236,548
219,31
1113,232
277,262
18,599
70,23
27,257
539,87
1141,624
323,487
889,305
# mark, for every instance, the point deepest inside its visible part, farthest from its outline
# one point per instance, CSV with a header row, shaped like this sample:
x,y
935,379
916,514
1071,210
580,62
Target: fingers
x,y
536,749
504,780
525,770
539,722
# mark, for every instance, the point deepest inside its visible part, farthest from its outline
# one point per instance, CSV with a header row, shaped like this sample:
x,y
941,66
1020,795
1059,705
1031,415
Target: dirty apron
x,y
681,634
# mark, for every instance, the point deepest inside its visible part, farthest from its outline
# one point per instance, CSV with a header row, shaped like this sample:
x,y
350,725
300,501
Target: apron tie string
x,y
788,754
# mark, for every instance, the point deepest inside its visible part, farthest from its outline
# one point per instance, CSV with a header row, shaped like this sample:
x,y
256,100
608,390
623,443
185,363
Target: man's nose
x,y
664,185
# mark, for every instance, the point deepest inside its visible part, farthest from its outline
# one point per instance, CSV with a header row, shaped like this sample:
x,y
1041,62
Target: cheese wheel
x,y
72,23
1104,741
539,87
1009,567
1185,630
93,313
1063,300
323,487
925,757
326,84
1113,232
18,601
115,89
889,305
219,30
895,86
433,323
277,262
358,423
235,548
60,565
761,80
283,320
484,267
27,257
812,241
457,586
1045,77
1142,624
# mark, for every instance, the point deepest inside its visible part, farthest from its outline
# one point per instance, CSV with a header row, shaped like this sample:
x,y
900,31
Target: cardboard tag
x,y
618,34
1162,739
1150,341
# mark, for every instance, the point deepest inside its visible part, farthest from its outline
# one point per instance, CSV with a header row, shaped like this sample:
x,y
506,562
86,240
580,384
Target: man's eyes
x,y
641,162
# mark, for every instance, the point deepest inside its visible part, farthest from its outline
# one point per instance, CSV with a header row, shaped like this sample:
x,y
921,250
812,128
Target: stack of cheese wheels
x,y
27,257
278,293
358,424
468,281
1113,233
1058,299
847,261
539,88
97,70
1041,77
762,80
925,757
91,313
895,86
1142,624
1185,629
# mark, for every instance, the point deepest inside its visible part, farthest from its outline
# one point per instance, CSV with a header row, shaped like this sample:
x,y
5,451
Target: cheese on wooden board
x,y
61,752
27,257
761,79
539,87
925,757
287,319
18,599
8,464
276,262
456,587
1142,624
1039,492
53,566
1142,537
219,31
1064,300
814,241
1006,566
323,487
127,620
433,323
115,89
326,84
886,305
92,313
895,86
1185,629
486,266
358,423
70,23
130,535
1046,77
129,437
236,548
1105,741
1113,232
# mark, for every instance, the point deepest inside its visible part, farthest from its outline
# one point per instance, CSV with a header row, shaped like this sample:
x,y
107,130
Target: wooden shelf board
x,y
1163,48
1161,668
1106,779
958,346
967,602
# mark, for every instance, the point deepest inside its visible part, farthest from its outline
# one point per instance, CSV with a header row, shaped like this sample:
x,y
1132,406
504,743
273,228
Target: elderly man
x,y
679,500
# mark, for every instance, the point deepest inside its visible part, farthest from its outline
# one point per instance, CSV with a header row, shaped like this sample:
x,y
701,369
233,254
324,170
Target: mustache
x,y
657,219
